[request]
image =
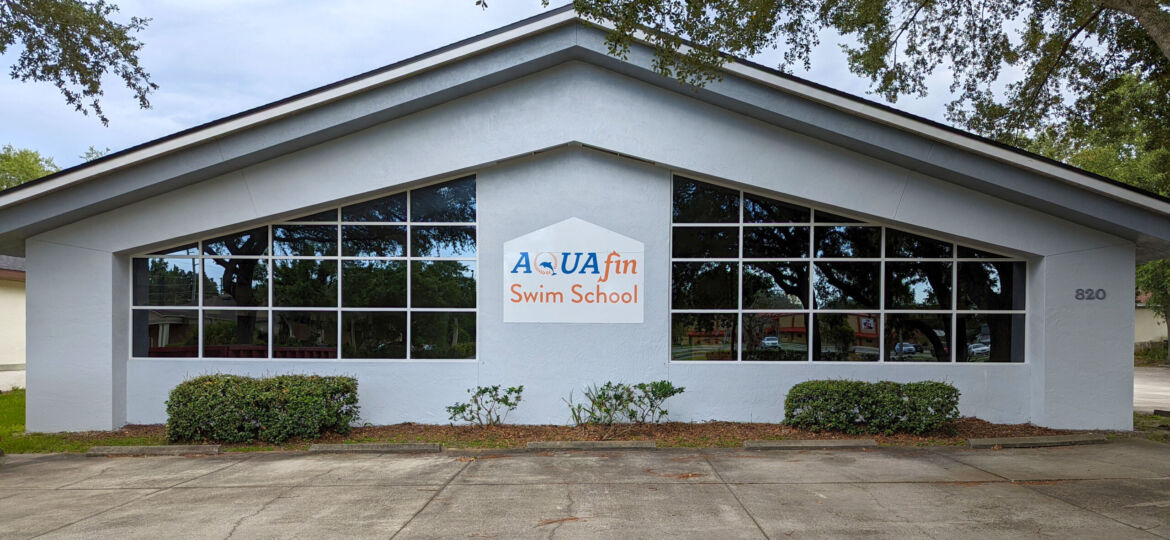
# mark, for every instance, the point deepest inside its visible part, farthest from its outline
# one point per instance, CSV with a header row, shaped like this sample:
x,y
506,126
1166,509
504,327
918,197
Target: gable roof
x,y
1154,235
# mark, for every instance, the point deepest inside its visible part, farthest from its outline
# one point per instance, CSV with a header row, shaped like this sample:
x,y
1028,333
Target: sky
x,y
214,58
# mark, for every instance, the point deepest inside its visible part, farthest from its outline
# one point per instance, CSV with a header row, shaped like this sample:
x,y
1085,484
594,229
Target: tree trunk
x,y
1150,15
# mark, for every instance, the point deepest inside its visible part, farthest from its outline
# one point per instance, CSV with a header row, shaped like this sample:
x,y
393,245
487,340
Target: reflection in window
x,y
304,334
846,285
846,337
162,281
448,335
304,283
235,282
918,285
373,284
392,263
456,242
775,336
373,334
705,285
235,334
449,202
373,240
700,202
918,337
741,287
706,242
703,336
166,333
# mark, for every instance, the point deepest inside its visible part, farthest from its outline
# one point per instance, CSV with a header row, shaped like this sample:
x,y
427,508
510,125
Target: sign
x,y
574,272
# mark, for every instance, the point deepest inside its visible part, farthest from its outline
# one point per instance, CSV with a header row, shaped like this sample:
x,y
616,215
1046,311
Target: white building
x,y
771,231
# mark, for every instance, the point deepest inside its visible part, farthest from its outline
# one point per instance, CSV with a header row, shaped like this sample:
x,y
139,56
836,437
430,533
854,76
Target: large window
x,y
389,278
759,279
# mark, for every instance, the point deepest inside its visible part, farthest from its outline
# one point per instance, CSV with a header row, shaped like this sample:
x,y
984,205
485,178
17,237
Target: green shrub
x,y
863,407
613,403
486,405
237,409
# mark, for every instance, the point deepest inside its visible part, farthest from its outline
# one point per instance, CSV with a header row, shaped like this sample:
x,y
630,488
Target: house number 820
x,y
1090,294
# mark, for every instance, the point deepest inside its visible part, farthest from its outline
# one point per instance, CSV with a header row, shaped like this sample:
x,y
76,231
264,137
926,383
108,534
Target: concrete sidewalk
x,y
1116,490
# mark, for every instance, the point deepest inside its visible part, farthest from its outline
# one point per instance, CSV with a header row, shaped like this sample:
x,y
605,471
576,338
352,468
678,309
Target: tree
x,y
74,44
18,165
1069,54
94,153
1154,279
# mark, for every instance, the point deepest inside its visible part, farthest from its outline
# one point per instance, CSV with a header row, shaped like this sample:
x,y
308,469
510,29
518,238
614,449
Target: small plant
x,y
648,399
488,407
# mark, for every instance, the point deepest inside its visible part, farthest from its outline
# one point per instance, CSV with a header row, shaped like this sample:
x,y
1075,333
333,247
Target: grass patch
x,y
1153,427
14,440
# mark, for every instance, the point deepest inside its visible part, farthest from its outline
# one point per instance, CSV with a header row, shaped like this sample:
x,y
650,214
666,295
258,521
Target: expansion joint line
x,y
735,496
428,503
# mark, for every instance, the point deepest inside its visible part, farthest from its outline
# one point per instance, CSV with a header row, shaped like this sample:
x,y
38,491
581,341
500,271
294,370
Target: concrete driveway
x,y
1116,490
1151,389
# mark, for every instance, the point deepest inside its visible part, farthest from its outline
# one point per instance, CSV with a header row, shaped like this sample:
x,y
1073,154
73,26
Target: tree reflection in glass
x,y
918,337
373,240
775,285
442,242
390,209
235,334
235,282
918,285
705,242
775,242
442,335
904,245
775,336
304,240
848,242
162,281
304,283
705,285
847,285
846,337
989,285
442,284
373,284
304,334
990,338
247,243
373,334
703,336
700,202
449,202
760,209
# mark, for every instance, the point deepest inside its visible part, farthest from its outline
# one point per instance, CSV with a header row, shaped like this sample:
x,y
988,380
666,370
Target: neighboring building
x,y
523,208
1148,326
11,311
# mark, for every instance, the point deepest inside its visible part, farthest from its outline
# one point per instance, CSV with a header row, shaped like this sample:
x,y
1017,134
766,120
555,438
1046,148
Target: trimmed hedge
x,y
863,407
236,409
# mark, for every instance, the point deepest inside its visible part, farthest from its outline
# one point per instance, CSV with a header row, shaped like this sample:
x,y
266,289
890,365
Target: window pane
x,y
373,284
902,244
769,285
990,338
442,335
386,209
304,283
373,240
304,334
918,337
700,202
449,202
166,333
833,242
235,282
846,285
705,242
822,216
775,242
161,281
703,336
757,209
705,285
913,285
972,253
991,285
442,242
442,284
373,334
304,240
253,242
324,215
189,249
235,334
775,336
846,337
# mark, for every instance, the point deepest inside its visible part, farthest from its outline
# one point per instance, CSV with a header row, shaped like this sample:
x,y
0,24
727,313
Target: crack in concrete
x,y
433,497
735,496
568,512
262,508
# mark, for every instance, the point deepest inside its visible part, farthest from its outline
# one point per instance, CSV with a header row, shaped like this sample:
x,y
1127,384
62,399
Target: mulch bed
x,y
667,434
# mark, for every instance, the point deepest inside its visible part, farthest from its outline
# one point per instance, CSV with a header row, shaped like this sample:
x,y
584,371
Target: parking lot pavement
x,y
1151,389
1115,490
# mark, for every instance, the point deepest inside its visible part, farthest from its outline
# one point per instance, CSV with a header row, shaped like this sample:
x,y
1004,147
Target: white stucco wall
x,y
1078,371
11,321
1148,326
